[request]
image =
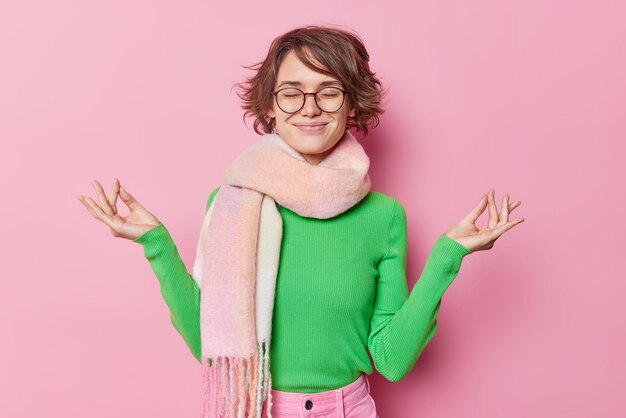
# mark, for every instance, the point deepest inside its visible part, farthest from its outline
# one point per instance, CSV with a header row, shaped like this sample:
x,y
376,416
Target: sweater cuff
x,y
449,247
155,241
443,264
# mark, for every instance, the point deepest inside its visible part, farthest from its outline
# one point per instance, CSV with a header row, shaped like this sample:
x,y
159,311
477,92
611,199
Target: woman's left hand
x,y
474,239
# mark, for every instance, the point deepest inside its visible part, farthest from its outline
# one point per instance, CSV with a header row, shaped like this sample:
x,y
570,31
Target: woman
x,y
296,253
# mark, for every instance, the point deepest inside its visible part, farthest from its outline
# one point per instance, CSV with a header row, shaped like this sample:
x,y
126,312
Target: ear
x,y
352,108
270,113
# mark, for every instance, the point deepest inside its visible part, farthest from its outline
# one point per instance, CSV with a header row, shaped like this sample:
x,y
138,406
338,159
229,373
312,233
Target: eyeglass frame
x,y
343,99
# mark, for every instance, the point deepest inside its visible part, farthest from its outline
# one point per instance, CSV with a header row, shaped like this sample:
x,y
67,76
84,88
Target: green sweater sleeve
x,y
402,325
179,289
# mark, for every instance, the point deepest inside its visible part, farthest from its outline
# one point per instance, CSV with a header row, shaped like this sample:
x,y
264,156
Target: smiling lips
x,y
311,127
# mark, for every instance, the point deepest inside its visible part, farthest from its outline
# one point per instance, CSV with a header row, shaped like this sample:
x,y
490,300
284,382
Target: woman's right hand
x,y
135,224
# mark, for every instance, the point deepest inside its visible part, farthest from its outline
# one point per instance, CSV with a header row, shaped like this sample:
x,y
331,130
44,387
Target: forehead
x,y
293,70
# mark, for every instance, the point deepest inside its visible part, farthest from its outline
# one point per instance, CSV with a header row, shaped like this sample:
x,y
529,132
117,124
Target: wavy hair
x,y
342,55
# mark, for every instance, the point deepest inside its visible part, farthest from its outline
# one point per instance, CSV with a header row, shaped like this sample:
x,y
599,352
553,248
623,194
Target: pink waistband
x,y
321,402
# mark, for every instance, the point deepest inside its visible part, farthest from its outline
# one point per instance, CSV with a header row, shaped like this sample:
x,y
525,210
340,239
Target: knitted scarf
x,y
238,254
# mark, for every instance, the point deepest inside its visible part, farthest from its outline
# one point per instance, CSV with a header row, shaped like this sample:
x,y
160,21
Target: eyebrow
x,y
298,83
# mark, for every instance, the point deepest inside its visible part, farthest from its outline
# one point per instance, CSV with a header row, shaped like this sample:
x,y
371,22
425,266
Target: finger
x,y
100,214
128,199
514,205
477,210
104,203
93,206
504,213
505,227
493,210
83,201
113,195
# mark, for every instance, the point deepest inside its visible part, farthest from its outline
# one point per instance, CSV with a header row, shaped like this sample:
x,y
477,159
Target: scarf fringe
x,y
235,387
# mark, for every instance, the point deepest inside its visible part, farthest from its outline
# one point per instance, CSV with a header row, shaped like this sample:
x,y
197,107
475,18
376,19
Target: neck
x,y
313,159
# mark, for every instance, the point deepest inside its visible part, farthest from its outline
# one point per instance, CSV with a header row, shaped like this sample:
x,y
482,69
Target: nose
x,y
310,107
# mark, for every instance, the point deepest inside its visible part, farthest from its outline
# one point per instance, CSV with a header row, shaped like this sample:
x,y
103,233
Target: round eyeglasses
x,y
328,99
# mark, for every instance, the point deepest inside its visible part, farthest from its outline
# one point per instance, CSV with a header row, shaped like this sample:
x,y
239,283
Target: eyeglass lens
x,y
328,99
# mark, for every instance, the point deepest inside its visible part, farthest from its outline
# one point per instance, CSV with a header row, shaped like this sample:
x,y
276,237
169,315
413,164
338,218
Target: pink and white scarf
x,y
238,256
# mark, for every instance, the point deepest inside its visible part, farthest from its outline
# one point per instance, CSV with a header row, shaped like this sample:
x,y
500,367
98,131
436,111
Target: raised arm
x,y
402,324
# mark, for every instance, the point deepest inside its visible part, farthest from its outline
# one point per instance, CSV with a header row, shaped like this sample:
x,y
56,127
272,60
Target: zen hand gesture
x,y
474,239
135,224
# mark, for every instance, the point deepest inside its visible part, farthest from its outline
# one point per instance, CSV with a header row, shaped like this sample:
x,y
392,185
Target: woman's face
x,y
313,143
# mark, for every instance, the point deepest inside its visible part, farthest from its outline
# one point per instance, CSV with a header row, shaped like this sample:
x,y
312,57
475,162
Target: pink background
x,y
528,98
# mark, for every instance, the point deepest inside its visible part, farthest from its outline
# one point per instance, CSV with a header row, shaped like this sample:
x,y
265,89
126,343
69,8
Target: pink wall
x,y
527,98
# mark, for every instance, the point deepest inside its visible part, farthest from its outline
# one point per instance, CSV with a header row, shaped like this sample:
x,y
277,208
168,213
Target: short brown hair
x,y
344,57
